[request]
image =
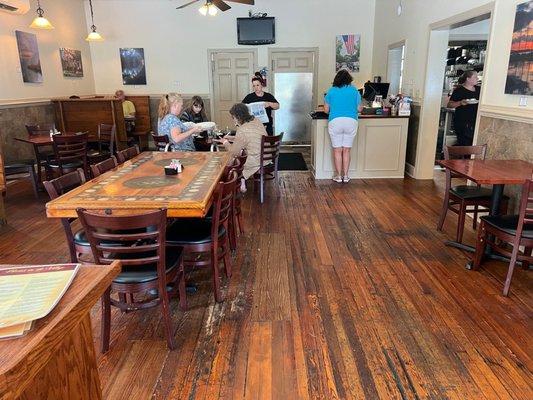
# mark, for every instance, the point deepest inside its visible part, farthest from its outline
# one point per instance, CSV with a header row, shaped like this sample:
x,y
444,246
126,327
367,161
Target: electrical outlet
x,y
523,101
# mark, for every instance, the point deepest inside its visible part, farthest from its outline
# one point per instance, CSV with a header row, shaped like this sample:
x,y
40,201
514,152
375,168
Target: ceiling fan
x,y
210,6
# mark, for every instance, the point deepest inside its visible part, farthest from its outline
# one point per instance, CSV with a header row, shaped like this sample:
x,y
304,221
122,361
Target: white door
x,y
232,74
293,83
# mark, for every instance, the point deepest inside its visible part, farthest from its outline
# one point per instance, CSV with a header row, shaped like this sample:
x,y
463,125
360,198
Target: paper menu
x,y
30,292
258,110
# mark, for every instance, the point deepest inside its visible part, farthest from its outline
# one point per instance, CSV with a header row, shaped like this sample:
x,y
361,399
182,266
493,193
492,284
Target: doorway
x,y
230,73
395,62
294,85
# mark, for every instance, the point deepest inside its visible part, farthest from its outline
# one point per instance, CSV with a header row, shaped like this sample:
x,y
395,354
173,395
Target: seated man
x,y
127,106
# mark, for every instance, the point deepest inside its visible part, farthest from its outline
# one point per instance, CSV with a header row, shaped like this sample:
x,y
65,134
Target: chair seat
x,y
69,165
508,224
19,164
186,231
471,192
145,273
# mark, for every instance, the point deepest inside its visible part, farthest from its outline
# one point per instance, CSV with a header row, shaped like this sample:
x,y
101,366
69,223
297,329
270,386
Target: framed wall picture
x,y
347,52
30,62
520,70
71,62
133,66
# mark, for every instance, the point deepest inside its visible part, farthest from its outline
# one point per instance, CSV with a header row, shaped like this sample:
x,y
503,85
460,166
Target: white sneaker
x,y
346,179
337,179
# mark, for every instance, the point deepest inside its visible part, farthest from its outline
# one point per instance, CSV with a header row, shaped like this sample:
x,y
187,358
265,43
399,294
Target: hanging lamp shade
x,y
93,36
40,22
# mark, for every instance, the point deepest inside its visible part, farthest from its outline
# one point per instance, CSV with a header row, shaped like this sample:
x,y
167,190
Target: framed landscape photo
x,y
71,62
520,70
30,62
347,52
133,66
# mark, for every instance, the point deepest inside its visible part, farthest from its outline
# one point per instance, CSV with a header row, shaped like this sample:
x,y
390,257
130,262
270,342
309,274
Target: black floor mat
x,y
291,162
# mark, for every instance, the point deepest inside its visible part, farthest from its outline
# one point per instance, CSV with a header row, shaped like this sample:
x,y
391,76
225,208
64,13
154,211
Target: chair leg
x,y
474,217
216,277
460,223
165,310
261,188
33,178
106,320
443,211
239,222
527,252
481,243
182,288
510,271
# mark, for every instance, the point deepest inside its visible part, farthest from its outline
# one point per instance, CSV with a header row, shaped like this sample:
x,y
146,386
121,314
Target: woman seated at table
x,y
248,136
169,124
195,112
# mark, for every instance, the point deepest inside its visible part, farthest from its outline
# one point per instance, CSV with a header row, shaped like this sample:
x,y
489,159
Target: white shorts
x,y
342,131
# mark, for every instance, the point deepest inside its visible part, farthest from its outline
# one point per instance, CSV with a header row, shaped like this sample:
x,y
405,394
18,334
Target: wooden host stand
x,y
80,115
56,358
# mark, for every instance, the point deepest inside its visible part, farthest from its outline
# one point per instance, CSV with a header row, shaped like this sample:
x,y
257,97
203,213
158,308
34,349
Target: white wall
x,y
175,42
68,18
413,27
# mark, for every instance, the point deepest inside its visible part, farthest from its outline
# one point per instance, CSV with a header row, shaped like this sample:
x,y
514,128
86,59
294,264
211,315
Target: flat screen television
x,y
254,31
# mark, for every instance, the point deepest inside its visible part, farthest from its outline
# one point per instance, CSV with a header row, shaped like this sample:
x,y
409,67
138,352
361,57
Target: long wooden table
x,y
140,184
56,359
497,173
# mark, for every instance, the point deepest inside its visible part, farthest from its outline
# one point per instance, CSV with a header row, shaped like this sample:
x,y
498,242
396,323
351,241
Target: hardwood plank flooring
x,y
338,292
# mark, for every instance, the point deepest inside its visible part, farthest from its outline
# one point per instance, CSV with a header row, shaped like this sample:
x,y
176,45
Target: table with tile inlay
x,y
140,184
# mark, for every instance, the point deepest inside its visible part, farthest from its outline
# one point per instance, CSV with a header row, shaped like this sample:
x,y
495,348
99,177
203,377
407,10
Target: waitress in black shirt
x,y
465,99
259,95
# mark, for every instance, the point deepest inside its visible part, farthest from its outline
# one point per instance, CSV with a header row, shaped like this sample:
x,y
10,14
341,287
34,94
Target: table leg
x,y
39,169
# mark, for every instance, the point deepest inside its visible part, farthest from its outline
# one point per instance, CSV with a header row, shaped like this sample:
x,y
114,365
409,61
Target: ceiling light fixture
x,y
93,36
400,8
41,22
208,8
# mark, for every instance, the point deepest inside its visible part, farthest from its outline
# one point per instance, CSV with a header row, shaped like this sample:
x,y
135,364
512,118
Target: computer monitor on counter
x,y
373,89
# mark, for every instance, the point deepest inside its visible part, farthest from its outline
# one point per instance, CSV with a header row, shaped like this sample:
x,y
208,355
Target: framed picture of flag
x,y
347,52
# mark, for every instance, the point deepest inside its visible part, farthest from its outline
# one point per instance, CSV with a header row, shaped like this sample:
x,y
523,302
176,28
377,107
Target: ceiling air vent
x,y
15,6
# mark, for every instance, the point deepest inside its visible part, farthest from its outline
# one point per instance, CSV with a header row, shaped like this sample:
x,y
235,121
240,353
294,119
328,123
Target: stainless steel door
x,y
294,92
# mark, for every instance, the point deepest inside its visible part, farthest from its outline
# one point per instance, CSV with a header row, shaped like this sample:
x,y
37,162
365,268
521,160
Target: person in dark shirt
x,y
465,99
259,94
195,112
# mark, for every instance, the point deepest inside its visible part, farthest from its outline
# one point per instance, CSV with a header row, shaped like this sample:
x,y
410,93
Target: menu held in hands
x,y
30,292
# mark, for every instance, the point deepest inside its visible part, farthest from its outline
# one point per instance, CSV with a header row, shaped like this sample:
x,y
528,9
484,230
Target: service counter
x,y
378,150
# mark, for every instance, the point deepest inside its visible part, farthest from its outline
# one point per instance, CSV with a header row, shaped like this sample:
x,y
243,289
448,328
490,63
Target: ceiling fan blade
x,y
187,4
221,5
249,2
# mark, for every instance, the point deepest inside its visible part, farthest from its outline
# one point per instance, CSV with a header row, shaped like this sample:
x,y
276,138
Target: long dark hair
x,y
343,78
241,113
196,101
259,78
467,74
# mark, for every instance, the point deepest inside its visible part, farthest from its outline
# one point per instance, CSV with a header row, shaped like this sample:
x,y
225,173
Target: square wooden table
x,y
140,184
497,173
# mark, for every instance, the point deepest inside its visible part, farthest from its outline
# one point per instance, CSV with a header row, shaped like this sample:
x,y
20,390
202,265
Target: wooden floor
x,y
338,292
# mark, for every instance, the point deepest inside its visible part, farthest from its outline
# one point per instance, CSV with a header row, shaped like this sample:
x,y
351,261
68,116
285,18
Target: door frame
x,y
314,50
211,65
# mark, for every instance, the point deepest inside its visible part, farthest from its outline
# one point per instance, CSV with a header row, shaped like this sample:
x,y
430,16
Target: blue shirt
x,y
164,127
343,102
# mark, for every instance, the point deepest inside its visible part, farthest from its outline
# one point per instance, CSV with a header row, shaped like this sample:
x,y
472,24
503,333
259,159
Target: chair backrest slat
x,y
160,141
127,154
69,148
223,201
104,166
270,146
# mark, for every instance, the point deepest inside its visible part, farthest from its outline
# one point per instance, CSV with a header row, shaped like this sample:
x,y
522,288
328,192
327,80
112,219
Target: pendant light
x,y
203,10
208,8
212,10
93,36
40,22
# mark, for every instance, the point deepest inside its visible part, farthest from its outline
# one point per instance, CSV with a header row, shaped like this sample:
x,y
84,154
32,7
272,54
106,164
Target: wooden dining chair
x,y
465,199
516,230
106,143
207,236
127,154
268,170
78,244
70,153
161,142
147,266
104,166
235,223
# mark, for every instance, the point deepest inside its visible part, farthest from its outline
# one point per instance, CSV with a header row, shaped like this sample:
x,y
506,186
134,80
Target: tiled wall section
x,y
12,121
507,140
